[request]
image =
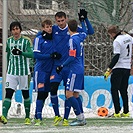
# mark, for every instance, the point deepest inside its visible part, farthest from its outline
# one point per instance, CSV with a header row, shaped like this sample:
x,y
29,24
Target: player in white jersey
x,y
119,69
19,51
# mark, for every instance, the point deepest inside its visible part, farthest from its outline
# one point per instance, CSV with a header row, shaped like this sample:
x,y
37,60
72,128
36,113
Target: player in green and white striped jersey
x,y
19,50
19,65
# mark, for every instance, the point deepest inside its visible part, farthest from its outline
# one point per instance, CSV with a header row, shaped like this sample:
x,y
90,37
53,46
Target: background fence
x,y
101,13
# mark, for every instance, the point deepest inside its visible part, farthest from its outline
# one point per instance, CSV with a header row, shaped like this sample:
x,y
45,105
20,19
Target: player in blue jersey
x,y
61,38
44,55
76,70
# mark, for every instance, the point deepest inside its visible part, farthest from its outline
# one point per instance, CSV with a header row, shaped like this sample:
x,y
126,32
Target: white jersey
x,y
123,45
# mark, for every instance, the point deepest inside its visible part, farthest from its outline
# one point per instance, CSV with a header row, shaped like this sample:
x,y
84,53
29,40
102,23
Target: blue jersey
x,y
43,48
61,41
76,50
75,62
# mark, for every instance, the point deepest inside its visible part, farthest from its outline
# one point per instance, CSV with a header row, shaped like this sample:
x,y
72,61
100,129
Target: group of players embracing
x,y
59,56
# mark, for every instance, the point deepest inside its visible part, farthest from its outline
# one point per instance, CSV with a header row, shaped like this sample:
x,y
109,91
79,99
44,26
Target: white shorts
x,y
16,82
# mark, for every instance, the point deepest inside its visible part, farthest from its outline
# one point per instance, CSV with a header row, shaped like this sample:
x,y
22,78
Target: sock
x,y
80,117
39,107
35,112
80,104
54,101
75,105
27,107
67,108
6,106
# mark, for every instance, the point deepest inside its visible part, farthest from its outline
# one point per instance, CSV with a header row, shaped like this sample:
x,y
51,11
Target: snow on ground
x,y
80,129
48,112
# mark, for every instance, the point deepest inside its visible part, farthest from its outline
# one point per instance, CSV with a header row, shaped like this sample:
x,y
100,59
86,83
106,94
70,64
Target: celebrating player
x,y
76,70
120,68
44,55
61,40
18,53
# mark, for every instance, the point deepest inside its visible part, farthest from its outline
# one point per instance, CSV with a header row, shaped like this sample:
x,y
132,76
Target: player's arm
x,y
116,51
68,61
71,58
72,54
114,60
37,50
28,53
8,54
83,17
112,64
83,27
54,55
90,30
38,55
29,50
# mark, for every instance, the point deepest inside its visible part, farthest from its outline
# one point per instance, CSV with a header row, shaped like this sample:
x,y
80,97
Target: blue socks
x,y
75,105
54,101
67,108
39,107
80,104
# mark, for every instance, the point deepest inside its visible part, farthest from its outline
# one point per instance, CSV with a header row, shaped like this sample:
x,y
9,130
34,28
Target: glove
x,y
81,17
59,68
107,73
16,51
83,12
55,55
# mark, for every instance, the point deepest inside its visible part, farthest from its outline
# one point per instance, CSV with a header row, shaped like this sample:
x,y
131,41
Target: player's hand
x,y
16,51
55,55
107,74
59,68
83,12
81,17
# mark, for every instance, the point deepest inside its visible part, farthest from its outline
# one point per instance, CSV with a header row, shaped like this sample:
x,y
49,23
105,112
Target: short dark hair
x,y
47,21
14,24
60,14
73,25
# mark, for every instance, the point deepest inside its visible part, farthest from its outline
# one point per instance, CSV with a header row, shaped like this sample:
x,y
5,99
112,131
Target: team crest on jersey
x,y
52,77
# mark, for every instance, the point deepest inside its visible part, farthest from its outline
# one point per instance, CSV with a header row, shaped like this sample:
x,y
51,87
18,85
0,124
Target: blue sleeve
x,y
39,33
69,60
38,55
83,27
90,29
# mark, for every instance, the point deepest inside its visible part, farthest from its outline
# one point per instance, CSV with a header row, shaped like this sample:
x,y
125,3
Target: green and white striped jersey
x,y
18,64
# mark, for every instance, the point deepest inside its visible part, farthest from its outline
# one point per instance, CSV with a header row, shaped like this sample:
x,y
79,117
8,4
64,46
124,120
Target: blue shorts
x,y
41,77
75,82
63,75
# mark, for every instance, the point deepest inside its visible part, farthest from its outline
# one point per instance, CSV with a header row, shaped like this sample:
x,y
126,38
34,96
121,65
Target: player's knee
x,y
54,88
25,94
45,95
9,93
42,95
69,94
76,94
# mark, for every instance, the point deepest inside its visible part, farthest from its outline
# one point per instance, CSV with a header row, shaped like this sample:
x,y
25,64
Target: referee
x,y
119,69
